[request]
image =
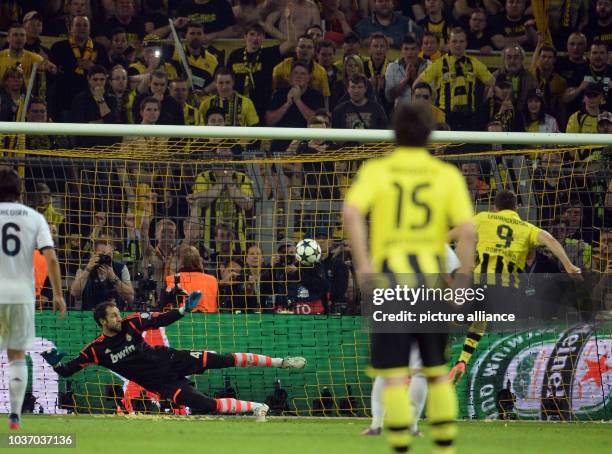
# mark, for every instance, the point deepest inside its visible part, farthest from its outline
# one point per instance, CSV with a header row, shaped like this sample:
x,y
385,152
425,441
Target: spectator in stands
x,y
513,70
193,236
103,278
513,27
171,112
598,71
253,64
585,119
422,94
575,62
202,63
604,126
535,118
402,73
549,80
222,195
232,289
336,271
578,236
118,90
279,284
216,16
162,254
430,47
478,33
501,106
353,64
454,78
119,52
286,20
337,24
326,55
74,57
246,13
214,117
94,105
62,25
17,55
33,24
12,91
179,90
124,16
238,109
304,52
141,70
293,106
385,21
43,203
600,29
465,8
38,113
551,187
375,66
437,21
193,278
316,33
479,189
359,112
350,46
253,272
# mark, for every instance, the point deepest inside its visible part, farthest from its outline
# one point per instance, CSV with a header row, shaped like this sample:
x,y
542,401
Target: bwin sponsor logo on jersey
x,y
115,357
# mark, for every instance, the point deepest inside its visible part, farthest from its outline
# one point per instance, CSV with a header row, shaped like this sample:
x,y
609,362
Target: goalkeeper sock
x,y
228,405
255,360
18,381
418,396
377,408
442,410
398,416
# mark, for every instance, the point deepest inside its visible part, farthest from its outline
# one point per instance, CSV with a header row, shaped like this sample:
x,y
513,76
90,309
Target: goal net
x,y
167,207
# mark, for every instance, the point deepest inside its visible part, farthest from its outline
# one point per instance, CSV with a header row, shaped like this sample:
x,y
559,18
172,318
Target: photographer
x,y
103,278
279,283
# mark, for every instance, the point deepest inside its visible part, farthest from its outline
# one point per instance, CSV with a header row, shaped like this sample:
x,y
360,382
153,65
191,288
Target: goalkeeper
x,y
504,240
163,370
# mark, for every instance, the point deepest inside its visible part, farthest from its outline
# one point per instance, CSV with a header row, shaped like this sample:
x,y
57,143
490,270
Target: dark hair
x,y
409,39
378,35
479,11
117,31
104,240
297,63
548,49
458,30
96,69
413,125
149,100
359,79
305,37
193,24
423,85
100,311
599,43
37,100
10,185
212,111
225,227
224,71
505,200
159,74
431,35
14,25
179,79
254,27
326,43
352,38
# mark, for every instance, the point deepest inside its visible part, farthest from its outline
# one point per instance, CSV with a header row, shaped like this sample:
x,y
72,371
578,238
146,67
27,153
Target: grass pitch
x,y
169,435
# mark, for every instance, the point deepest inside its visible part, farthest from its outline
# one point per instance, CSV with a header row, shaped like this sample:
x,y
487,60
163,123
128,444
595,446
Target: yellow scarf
x,y
88,55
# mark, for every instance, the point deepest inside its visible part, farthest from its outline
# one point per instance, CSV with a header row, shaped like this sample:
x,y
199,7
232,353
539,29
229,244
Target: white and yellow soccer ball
x,y
308,252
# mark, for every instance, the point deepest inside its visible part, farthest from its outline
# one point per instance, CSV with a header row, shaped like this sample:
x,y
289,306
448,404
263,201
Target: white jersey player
x,y
22,230
418,382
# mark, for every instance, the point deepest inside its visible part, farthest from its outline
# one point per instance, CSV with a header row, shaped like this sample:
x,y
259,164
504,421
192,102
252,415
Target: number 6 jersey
x,y
22,230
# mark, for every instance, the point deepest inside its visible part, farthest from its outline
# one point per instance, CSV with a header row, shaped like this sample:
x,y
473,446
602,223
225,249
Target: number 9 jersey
x,y
504,240
22,230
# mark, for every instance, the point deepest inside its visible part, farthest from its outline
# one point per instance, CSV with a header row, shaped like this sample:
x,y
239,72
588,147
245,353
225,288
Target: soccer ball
x,y
308,252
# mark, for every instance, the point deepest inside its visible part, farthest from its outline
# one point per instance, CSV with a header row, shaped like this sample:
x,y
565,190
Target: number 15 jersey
x,y
413,199
503,242
22,230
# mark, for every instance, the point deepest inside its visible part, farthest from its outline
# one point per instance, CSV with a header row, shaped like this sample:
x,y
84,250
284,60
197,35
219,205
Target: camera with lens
x,y
105,259
146,290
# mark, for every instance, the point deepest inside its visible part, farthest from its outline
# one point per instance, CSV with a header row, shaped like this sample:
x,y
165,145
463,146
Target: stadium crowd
x,y
477,65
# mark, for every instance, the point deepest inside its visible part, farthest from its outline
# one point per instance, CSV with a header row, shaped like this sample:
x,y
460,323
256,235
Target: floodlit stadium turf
x,y
150,435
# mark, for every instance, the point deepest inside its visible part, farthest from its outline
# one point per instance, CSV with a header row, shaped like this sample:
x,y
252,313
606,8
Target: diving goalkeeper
x,y
163,370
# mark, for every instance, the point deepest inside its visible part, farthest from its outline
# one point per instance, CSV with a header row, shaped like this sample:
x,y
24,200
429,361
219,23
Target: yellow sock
x,y
442,411
398,416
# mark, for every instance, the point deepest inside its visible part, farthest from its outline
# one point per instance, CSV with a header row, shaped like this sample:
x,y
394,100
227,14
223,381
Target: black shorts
x,y
392,350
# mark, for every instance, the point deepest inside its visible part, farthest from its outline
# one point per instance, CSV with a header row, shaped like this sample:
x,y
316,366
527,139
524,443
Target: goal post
x,y
243,204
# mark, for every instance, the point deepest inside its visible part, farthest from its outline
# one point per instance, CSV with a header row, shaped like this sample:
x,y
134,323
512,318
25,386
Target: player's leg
x,y
196,362
390,355
442,405
417,388
377,408
256,360
190,397
17,334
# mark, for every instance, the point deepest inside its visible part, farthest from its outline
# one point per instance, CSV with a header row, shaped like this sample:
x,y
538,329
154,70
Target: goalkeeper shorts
x,y
16,326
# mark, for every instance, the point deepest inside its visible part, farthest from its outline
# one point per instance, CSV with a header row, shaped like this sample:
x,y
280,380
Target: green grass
x,y
116,435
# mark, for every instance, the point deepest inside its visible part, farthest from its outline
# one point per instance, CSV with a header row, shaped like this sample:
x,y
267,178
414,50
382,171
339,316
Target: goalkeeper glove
x,y
53,357
192,302
456,373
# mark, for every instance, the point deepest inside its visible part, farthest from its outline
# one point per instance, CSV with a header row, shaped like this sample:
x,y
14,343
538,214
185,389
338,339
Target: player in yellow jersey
x,y
412,199
503,242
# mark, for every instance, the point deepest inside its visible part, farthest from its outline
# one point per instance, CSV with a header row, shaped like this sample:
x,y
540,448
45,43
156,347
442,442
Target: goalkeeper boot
x,y
14,421
372,431
260,412
293,362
